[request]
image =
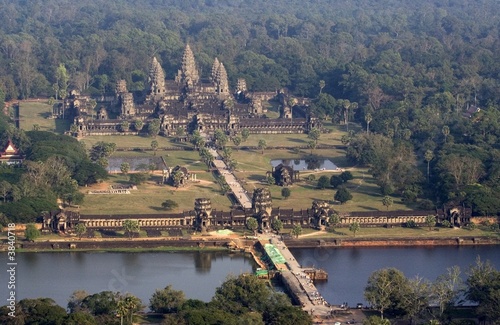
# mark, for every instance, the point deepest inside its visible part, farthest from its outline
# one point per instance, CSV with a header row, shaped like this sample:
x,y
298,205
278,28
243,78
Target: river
x,y
198,274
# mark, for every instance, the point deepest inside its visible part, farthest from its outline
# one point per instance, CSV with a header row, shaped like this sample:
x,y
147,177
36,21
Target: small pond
x,y
306,164
136,163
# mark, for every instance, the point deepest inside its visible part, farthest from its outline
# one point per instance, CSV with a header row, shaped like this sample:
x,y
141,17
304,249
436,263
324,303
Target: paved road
x,y
238,191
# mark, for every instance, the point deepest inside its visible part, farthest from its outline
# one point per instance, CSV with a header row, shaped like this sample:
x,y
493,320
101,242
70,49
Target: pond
x,y
306,164
136,164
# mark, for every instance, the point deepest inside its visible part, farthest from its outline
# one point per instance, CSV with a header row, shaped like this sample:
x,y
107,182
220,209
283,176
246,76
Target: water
x,y
307,164
58,275
198,274
135,163
349,268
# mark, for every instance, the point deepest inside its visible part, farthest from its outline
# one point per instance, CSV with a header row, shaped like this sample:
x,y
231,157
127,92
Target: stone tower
x,y
215,68
241,86
203,209
321,211
188,74
221,82
125,99
156,80
262,201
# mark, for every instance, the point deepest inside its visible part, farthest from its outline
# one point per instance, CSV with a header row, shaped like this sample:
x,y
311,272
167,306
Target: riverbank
x,y
231,243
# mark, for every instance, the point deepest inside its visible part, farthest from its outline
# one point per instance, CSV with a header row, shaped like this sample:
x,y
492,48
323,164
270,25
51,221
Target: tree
x,y
124,126
342,195
311,145
387,201
430,221
285,192
447,289
39,311
138,125
296,231
169,205
102,150
31,232
346,176
322,85
354,227
270,180
336,181
226,154
238,295
127,306
137,178
197,139
5,189
323,182
262,145
130,226
483,288
415,299
80,229
368,120
206,156
237,141
154,127
245,133
276,225
154,146
220,138
314,134
428,156
375,320
166,300
384,288
179,133
125,168
333,220
446,132
252,224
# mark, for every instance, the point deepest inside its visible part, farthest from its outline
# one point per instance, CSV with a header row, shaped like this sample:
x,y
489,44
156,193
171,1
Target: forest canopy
x,y
422,74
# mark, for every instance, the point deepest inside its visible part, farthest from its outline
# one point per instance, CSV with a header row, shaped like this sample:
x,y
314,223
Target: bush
x,y
445,224
411,224
386,189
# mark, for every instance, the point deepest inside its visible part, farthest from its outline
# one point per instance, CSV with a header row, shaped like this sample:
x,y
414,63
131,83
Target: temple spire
x,y
215,69
189,73
221,81
156,78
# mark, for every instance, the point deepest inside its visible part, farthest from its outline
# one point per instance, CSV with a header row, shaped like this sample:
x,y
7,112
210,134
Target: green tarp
x,y
274,254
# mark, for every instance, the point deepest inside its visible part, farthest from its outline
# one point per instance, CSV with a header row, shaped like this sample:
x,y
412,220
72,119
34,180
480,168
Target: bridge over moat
x,y
296,278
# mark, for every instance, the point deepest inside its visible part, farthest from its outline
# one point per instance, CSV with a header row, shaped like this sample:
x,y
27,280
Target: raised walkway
x,y
238,190
299,284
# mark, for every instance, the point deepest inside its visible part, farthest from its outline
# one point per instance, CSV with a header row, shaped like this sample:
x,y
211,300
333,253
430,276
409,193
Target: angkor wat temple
x,y
188,102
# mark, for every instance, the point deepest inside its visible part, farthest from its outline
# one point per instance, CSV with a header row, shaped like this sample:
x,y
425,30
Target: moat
x,y
198,274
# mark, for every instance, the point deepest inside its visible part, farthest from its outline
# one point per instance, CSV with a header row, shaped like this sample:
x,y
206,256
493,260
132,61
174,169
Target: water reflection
x,y
306,164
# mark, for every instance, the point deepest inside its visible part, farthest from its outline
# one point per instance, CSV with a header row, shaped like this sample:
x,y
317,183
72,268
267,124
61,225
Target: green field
x,y
40,113
147,199
251,169
398,232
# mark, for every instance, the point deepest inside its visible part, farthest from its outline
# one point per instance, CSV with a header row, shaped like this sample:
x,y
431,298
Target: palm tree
x,y
321,86
428,156
446,132
368,119
387,201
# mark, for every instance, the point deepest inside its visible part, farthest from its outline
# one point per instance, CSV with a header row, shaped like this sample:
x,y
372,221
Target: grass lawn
x,y
149,197
398,232
252,166
40,113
